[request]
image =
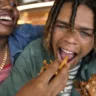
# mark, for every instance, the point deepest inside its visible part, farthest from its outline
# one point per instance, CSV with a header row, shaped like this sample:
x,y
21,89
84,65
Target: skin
x,y
64,38
44,84
7,8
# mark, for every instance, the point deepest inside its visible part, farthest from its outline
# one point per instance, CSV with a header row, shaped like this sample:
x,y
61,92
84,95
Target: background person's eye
x,y
13,4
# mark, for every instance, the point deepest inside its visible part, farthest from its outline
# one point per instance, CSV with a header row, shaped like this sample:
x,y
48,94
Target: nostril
x,y
70,41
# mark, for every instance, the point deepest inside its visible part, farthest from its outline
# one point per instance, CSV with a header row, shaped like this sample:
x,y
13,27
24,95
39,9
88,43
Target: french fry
x,y
46,65
63,63
51,61
42,69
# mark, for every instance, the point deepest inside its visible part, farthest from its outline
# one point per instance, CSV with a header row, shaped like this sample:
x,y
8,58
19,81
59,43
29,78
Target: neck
x,y
3,42
3,51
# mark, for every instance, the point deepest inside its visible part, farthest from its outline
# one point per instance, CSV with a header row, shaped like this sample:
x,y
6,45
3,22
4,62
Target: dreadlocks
x,y
74,10
51,21
54,12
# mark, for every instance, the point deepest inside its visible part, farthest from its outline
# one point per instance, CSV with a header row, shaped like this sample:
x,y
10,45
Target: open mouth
x,y
63,53
6,20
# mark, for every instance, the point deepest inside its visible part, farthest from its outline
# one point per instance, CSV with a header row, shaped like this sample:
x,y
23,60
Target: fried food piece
x,y
64,62
46,65
87,88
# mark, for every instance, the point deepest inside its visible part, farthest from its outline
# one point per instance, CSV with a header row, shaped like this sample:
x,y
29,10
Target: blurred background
x,y
34,11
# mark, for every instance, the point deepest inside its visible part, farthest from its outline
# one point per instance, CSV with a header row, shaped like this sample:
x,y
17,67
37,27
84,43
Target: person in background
x,y
13,38
69,31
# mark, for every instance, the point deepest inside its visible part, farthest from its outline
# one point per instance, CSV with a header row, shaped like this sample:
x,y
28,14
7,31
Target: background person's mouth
x,y
6,20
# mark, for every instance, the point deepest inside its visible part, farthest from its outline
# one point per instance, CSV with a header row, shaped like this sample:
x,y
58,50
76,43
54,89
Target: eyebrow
x,y
86,29
62,22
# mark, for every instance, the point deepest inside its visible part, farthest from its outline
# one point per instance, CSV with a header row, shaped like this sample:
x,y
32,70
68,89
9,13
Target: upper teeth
x,y
67,51
6,18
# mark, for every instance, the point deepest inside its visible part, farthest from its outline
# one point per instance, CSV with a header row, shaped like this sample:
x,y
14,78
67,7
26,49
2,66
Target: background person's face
x,y
8,16
75,44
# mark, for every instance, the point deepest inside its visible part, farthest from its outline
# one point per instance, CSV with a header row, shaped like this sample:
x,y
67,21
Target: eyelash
x,y
84,34
62,26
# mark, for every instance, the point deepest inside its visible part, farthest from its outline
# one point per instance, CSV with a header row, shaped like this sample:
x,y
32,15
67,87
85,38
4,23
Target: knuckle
x,y
40,85
54,67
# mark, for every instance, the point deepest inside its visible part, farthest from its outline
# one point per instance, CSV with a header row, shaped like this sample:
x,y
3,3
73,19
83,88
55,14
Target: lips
x,y
63,53
6,20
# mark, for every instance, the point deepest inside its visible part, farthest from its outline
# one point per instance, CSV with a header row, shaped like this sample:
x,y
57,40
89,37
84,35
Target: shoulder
x,y
36,46
87,69
37,52
28,28
92,67
27,32
37,43
31,53
33,56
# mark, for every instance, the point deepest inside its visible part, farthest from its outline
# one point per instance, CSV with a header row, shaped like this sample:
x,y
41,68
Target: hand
x,y
46,84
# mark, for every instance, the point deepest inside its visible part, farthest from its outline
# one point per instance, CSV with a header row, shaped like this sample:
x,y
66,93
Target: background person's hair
x,y
54,12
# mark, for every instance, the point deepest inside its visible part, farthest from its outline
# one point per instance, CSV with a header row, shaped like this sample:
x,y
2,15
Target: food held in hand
x,y
46,65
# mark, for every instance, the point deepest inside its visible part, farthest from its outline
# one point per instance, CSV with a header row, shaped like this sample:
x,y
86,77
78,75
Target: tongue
x,y
70,56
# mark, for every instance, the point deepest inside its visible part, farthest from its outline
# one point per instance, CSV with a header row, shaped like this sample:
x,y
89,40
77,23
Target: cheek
x,y
89,46
57,35
16,13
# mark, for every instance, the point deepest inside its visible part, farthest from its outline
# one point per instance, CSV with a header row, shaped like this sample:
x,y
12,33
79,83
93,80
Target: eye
x,y
62,26
84,34
13,4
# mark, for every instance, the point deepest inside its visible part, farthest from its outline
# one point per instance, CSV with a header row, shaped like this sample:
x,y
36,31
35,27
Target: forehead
x,y
84,15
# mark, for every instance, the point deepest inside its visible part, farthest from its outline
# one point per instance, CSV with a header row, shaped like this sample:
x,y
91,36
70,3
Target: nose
x,y
71,37
6,5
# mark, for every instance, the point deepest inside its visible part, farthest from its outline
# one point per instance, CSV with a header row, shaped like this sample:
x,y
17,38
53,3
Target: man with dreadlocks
x,y
70,31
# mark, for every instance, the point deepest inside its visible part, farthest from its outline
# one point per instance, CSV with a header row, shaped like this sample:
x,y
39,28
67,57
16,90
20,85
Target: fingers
x,y
57,90
49,73
55,83
60,80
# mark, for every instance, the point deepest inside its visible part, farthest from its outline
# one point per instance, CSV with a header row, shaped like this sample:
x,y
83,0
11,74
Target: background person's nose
x,y
6,5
